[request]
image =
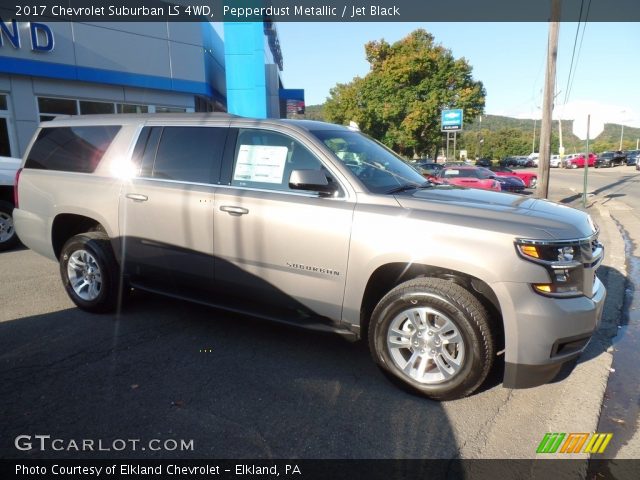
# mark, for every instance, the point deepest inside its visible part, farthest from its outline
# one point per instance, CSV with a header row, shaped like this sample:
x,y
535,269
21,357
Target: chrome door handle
x,y
235,211
137,197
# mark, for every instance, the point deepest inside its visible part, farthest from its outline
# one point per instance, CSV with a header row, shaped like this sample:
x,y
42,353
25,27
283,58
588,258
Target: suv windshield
x,y
377,167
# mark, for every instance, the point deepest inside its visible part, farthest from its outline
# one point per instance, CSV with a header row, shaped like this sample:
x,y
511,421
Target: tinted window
x,y
90,108
57,106
74,149
190,154
144,152
266,159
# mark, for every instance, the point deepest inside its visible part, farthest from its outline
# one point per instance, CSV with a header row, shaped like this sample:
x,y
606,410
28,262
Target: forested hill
x,y
498,136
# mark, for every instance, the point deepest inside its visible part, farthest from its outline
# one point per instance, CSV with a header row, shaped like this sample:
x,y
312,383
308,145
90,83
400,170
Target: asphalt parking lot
x,y
235,387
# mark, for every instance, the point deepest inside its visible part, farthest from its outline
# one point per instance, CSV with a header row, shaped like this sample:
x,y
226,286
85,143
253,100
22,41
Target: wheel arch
x,y
390,275
6,193
67,225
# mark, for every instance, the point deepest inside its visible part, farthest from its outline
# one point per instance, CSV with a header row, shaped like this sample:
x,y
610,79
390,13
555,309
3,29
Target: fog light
x,y
561,275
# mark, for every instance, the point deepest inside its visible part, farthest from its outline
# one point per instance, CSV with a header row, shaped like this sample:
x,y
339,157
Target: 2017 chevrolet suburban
x,y
319,226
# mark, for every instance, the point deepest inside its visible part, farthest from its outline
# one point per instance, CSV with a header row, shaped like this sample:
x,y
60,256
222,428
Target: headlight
x,y
563,261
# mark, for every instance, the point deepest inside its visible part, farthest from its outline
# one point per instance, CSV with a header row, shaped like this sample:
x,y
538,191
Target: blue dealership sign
x,y
451,120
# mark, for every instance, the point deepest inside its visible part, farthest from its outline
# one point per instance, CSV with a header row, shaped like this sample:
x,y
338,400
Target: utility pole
x,y
547,104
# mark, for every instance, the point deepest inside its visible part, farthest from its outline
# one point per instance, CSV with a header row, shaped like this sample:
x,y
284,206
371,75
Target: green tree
x,y
400,100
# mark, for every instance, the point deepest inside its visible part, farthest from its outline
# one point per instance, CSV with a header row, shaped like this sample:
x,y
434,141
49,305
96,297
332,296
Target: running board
x,y
311,324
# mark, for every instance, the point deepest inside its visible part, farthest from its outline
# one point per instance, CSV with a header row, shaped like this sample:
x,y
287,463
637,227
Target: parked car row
x,y
496,178
604,159
576,160
518,161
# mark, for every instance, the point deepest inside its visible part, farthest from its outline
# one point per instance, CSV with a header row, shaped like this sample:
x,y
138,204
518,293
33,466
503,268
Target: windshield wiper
x,y
409,186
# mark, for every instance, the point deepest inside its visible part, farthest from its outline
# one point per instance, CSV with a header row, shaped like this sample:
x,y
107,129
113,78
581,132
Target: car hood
x,y
520,216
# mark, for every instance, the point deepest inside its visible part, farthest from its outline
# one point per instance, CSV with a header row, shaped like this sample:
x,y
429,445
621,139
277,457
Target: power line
x,y
573,54
584,27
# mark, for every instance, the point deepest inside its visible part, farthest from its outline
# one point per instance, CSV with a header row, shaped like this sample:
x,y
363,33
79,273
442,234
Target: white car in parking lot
x,y
555,161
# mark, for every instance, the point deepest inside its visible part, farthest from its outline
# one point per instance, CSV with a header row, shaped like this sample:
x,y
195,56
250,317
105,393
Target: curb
x,y
611,216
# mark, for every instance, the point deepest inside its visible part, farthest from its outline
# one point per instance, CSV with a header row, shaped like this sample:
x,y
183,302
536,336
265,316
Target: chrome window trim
x,y
344,190
262,190
285,192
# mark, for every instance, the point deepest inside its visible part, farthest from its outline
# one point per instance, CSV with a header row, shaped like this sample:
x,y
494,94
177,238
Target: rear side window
x,y
71,149
187,154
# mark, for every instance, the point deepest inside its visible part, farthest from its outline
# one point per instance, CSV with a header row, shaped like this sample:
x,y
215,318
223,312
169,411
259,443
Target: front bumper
x,y
542,333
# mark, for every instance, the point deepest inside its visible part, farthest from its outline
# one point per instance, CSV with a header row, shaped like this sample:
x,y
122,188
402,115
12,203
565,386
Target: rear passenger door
x,y
166,211
275,246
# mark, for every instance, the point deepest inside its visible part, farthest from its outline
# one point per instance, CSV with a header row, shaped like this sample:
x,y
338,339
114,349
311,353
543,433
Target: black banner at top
x,y
317,10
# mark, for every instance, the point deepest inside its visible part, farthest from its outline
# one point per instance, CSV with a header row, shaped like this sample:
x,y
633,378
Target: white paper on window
x,y
260,163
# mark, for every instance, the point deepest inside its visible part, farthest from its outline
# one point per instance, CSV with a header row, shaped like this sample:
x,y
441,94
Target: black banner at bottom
x,y
319,469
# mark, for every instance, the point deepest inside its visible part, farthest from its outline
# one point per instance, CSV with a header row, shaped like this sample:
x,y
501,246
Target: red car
x,y
473,177
577,160
530,179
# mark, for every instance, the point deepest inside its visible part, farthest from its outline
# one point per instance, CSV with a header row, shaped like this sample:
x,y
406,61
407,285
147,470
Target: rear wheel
x,y
434,336
89,272
8,236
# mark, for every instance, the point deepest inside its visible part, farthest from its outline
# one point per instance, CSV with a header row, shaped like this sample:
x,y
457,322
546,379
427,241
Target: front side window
x,y
265,160
377,167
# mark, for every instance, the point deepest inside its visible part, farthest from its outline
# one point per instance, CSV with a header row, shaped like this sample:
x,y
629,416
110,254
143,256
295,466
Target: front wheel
x,y
434,336
89,272
8,236
574,165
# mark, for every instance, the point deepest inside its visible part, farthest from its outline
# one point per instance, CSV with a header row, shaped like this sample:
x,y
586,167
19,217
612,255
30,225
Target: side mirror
x,y
312,181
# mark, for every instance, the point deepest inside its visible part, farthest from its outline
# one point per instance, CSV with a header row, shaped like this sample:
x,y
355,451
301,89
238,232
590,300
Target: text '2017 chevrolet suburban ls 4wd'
x,y
315,225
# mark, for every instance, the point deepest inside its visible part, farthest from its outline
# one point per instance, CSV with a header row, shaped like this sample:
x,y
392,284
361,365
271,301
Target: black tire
x,y
7,228
97,245
462,309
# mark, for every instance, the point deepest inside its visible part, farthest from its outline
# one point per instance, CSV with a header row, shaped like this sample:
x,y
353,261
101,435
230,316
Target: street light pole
x,y
621,135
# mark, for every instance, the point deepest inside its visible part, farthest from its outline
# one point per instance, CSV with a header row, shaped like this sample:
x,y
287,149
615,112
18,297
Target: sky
x,y
509,59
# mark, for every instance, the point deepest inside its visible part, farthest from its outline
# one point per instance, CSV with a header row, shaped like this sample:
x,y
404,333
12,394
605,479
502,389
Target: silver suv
x,y
318,226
